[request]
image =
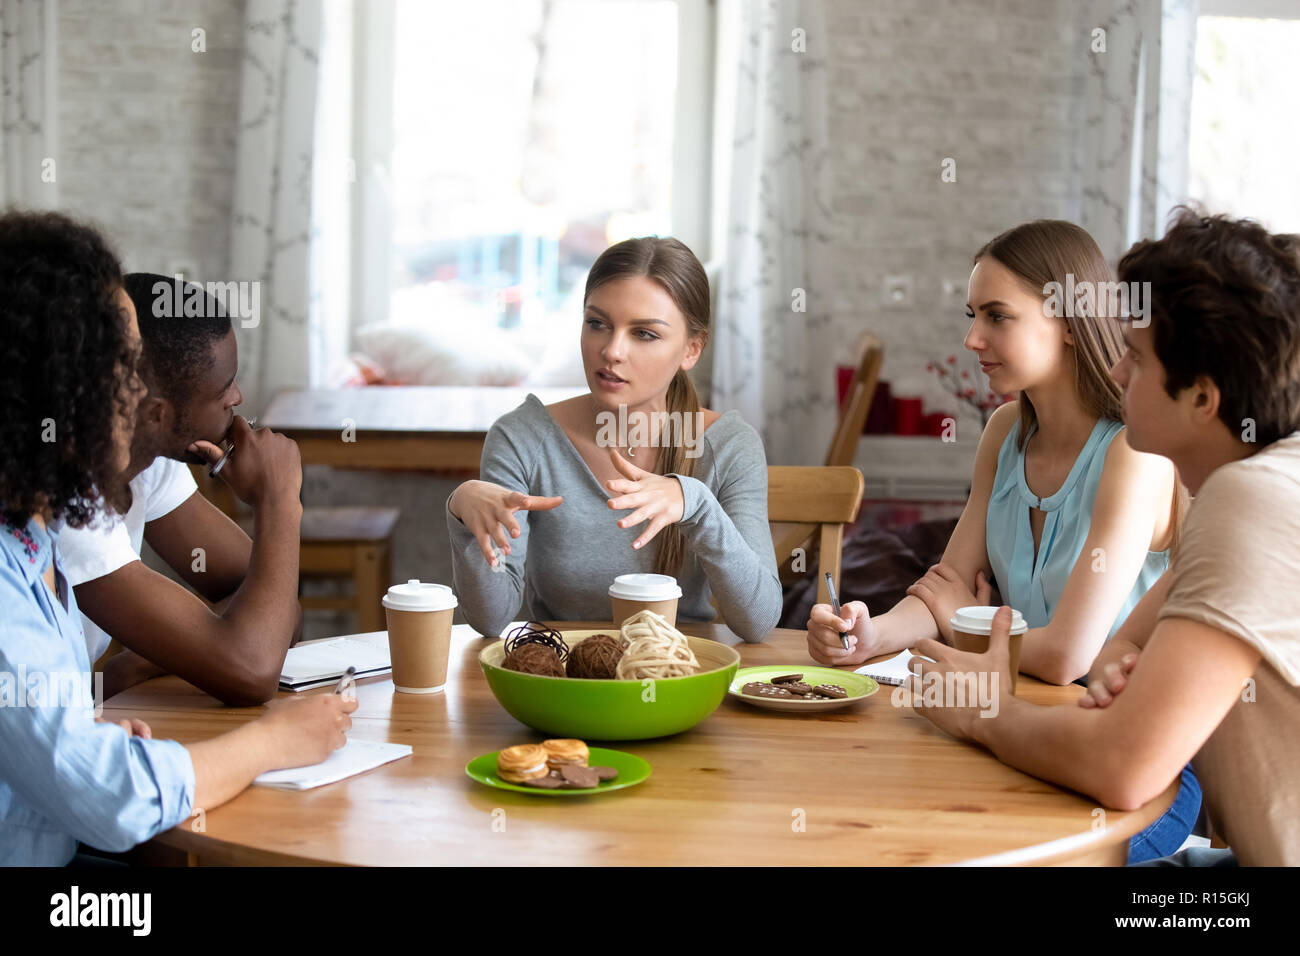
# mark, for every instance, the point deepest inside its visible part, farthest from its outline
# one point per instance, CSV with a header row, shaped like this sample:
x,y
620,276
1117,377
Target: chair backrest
x,y
857,403
825,496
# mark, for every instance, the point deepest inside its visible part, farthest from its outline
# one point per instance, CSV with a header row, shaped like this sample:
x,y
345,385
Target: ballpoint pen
x,y
835,606
225,455
347,680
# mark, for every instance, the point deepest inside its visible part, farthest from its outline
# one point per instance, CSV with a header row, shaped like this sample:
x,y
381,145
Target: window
x,y
1243,137
501,145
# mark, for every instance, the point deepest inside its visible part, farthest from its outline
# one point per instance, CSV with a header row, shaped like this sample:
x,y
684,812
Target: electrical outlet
x,y
952,294
897,292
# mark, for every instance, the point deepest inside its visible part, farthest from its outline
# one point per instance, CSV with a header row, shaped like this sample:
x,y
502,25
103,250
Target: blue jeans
x,y
1163,837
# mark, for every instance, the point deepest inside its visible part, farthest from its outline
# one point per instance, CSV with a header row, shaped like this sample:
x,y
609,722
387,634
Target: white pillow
x,y
444,353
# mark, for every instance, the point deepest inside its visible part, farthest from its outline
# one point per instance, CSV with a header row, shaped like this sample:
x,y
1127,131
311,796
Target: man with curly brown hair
x,y
1207,666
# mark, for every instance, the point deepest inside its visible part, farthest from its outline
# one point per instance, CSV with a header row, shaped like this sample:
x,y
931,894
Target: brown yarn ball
x,y
597,657
534,659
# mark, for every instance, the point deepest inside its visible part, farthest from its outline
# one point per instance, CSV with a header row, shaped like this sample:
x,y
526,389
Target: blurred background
x,y
420,186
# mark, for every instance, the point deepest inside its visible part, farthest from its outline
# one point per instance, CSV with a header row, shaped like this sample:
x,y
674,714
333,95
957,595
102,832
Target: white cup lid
x,y
417,595
979,620
645,587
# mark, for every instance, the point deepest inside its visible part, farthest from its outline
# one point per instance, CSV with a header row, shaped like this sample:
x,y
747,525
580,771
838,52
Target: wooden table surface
x,y
407,427
872,785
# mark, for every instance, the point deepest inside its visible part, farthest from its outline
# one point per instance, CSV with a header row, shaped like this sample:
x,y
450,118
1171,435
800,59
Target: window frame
x,y
694,201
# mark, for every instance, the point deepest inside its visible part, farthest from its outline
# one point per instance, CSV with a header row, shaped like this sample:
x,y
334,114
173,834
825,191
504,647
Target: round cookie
x,y
522,763
563,751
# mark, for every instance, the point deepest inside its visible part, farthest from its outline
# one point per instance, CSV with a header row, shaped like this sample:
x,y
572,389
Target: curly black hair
x,y
1225,303
66,365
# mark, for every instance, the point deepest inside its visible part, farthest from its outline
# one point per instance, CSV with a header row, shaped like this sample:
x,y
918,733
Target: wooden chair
x,y
843,448
343,543
825,497
857,403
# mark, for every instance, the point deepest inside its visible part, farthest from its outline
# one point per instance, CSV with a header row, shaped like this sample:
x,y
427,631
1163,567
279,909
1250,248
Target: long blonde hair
x,y
1055,251
676,269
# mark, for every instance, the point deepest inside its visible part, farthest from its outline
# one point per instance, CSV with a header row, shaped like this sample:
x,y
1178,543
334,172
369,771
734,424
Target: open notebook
x,y
893,671
354,757
323,662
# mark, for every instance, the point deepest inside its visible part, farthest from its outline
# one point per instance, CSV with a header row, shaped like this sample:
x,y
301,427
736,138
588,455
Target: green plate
x,y
631,771
859,686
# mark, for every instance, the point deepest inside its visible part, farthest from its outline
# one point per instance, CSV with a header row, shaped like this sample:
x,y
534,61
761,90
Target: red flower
x,y
965,374
952,360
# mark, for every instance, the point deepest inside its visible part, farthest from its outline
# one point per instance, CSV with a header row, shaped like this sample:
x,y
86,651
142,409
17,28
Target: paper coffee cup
x,y
419,635
970,632
633,593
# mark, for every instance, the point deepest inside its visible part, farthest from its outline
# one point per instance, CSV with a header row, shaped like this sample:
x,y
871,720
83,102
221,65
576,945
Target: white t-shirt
x,y
113,543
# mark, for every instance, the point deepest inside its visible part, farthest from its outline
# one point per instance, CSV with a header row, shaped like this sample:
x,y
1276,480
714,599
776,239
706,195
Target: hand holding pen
x,y
259,465
835,607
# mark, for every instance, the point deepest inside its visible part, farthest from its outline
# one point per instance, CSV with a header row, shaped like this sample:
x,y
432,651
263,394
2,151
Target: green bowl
x,y
612,709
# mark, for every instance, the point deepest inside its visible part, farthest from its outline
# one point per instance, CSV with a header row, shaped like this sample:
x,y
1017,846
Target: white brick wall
x,y
147,127
996,86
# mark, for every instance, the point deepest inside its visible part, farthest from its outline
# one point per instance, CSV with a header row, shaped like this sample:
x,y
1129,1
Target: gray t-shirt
x,y
565,559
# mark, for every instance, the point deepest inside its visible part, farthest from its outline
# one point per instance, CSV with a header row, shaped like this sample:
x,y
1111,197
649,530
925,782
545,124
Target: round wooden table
x,y
875,784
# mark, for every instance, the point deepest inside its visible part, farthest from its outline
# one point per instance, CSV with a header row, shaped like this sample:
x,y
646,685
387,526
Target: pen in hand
x,y
347,681
225,455
835,607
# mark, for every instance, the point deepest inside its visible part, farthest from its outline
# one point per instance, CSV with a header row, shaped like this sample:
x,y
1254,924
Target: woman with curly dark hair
x,y
70,344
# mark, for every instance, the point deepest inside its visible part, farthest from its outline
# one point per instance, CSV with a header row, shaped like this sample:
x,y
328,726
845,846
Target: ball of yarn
x,y
655,649
534,659
596,658
536,633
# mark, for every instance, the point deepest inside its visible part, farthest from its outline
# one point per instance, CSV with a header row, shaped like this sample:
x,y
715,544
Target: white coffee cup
x,y
632,593
419,634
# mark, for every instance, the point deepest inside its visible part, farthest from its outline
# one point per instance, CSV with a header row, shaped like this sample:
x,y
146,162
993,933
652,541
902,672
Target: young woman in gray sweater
x,y
572,494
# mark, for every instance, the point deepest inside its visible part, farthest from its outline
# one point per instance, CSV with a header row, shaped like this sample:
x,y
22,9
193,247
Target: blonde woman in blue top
x,y
1071,524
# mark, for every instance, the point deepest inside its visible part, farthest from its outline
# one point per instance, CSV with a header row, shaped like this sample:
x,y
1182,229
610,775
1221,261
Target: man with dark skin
x,y
235,648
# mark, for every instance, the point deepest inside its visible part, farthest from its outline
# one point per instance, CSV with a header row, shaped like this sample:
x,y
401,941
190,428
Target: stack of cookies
x,y
551,765
792,687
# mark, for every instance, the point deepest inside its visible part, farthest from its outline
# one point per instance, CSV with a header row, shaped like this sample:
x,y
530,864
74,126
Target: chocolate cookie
x,y
831,690
798,688
550,782
759,689
604,773
578,778
787,679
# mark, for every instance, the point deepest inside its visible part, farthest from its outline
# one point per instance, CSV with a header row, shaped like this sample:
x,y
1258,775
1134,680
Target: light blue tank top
x,y
1034,587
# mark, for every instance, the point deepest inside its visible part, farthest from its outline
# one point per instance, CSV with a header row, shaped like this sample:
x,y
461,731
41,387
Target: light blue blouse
x,y
64,777
1032,586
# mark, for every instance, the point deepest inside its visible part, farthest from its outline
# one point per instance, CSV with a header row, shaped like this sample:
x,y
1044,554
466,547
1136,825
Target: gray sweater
x,y
565,559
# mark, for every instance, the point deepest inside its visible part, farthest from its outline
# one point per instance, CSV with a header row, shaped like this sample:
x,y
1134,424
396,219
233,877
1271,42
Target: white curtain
x,y
28,58
271,226
1138,93
773,323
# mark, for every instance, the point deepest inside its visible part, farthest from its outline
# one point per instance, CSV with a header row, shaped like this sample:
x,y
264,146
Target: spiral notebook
x,y
318,663
893,671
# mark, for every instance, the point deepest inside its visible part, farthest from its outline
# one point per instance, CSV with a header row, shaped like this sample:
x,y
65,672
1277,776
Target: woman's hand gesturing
x,y
656,498
488,510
